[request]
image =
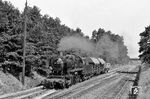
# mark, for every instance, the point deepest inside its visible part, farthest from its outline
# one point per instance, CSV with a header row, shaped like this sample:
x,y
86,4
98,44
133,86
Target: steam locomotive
x,y
70,69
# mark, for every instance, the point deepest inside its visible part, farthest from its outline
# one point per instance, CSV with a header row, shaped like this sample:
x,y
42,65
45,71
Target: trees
x,y
96,35
43,36
110,46
145,45
11,38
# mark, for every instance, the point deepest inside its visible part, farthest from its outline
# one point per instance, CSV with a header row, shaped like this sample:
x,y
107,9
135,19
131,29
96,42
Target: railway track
x,y
119,90
82,91
122,90
79,89
40,93
113,90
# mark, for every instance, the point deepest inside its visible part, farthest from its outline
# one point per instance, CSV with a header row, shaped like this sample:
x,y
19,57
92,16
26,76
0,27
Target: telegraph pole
x,y
24,44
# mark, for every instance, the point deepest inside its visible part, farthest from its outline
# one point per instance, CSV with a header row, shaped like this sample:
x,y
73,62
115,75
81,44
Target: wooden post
x,y
24,45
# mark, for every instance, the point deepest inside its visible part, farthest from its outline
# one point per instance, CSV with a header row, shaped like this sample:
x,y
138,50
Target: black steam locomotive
x,y
70,69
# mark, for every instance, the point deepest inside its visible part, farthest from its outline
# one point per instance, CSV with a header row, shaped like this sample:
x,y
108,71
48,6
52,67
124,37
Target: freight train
x,y
70,69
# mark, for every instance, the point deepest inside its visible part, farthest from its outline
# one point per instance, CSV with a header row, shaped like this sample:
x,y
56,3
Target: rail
x,y
23,92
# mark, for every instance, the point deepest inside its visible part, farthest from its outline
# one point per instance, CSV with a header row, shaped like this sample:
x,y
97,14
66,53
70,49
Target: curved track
x,y
73,92
116,89
81,88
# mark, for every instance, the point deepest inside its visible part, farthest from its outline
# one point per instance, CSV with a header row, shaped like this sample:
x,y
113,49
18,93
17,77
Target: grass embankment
x,y
34,81
9,83
145,85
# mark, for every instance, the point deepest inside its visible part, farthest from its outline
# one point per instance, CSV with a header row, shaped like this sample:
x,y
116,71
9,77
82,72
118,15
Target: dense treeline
x,y
145,45
110,46
43,37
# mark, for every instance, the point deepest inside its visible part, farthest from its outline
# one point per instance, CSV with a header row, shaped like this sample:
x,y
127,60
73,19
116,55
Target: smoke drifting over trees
x,y
77,43
103,47
106,46
110,46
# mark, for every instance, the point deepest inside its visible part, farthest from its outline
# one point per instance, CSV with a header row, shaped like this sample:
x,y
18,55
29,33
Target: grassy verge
x,y
145,85
9,83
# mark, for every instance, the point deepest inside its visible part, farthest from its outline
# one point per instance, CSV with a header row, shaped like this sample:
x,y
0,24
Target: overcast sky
x,y
124,17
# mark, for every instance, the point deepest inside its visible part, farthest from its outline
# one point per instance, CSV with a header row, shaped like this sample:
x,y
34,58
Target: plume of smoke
x,y
106,46
75,42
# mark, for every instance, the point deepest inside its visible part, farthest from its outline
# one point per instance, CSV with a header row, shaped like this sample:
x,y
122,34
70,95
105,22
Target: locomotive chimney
x,y
61,53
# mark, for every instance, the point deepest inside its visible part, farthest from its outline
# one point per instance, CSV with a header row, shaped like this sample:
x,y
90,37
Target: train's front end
x,y
57,65
66,70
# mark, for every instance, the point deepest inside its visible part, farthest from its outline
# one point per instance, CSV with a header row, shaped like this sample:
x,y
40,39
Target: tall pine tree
x,y
145,45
